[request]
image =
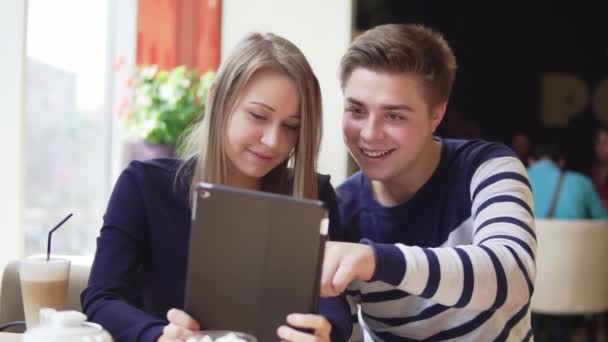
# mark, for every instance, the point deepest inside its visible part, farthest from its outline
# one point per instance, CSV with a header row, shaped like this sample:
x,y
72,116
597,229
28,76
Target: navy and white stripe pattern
x,y
467,245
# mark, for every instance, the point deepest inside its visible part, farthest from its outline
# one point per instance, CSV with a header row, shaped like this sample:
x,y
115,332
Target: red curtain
x,y
179,32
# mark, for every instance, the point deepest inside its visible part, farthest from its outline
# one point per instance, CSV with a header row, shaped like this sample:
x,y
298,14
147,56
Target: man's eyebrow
x,y
384,106
397,107
358,103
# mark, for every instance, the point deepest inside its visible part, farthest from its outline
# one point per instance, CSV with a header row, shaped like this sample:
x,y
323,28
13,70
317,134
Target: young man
x,y
440,232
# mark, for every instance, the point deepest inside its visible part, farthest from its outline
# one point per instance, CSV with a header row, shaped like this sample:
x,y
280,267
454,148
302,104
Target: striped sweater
x,y
456,261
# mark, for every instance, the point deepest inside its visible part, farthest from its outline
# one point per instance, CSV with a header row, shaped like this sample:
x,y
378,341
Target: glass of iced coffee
x,y
44,284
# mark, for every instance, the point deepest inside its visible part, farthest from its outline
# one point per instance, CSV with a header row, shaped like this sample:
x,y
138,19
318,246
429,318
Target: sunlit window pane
x,y
68,124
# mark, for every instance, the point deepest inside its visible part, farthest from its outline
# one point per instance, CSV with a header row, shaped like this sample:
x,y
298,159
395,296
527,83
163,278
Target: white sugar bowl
x,y
65,326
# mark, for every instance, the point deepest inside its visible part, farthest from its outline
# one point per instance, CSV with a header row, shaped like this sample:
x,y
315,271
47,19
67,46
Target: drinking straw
x,y
48,246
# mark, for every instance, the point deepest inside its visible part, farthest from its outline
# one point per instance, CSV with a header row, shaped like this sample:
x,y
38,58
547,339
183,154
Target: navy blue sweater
x,y
139,269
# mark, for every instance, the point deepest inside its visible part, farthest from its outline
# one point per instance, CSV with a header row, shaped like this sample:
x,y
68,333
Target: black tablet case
x,y
254,258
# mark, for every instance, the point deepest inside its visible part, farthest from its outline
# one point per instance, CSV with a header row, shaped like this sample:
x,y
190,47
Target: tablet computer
x,y
254,258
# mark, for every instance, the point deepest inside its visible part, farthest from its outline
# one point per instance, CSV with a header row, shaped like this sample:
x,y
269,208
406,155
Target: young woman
x,y
263,113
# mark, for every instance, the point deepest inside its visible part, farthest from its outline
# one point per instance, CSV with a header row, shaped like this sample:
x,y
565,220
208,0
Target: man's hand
x,y
343,263
180,327
319,324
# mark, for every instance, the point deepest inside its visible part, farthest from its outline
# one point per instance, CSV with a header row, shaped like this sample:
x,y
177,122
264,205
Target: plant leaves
x,y
165,102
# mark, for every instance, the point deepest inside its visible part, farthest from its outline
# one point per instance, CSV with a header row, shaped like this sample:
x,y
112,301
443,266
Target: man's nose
x,y
372,129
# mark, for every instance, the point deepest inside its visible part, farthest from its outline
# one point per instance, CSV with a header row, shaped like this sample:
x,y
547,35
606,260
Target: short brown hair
x,y
404,48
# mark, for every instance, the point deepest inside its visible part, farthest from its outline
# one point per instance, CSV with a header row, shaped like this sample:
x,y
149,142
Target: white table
x,y
9,337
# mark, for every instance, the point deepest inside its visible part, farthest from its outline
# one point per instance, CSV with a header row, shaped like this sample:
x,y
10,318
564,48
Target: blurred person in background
x,y
521,144
563,194
599,172
560,193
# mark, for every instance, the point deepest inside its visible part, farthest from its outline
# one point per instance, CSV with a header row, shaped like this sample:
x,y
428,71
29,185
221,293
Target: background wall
x,y
322,30
12,36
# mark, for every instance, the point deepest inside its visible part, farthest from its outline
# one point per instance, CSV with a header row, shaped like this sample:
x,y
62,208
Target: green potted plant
x,y
163,103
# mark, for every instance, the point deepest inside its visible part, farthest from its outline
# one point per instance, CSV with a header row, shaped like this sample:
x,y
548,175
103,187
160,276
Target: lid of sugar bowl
x,y
65,326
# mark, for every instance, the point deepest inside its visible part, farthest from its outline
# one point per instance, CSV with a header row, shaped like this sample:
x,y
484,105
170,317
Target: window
x,y
69,153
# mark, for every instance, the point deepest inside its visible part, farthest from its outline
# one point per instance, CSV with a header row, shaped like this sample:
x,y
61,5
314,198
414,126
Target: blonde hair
x,y
204,147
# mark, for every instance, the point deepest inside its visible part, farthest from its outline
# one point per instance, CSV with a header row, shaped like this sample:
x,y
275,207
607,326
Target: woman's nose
x,y
271,137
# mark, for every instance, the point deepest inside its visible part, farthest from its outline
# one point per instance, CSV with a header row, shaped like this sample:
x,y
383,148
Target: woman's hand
x,y
180,327
319,324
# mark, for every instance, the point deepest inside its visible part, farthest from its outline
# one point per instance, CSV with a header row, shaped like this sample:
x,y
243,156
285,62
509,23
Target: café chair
x,y
571,276
11,305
